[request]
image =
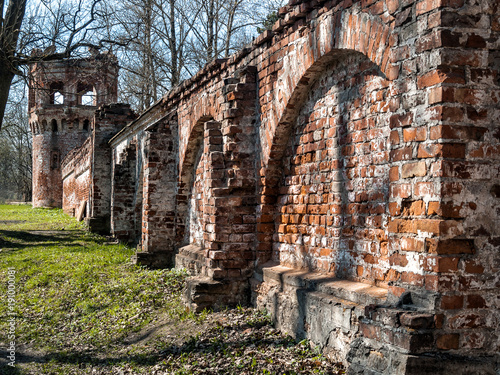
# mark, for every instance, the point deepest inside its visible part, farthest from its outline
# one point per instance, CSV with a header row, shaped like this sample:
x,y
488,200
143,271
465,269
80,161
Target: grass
x,y
74,290
79,300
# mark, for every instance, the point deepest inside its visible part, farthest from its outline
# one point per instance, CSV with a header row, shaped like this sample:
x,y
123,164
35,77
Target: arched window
x,y
86,125
56,93
86,94
53,125
55,160
58,98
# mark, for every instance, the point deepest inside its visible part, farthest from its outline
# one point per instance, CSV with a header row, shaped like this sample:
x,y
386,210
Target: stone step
x,y
356,292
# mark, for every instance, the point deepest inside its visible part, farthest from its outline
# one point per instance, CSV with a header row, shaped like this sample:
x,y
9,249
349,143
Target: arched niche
x,y
86,125
191,190
329,173
53,126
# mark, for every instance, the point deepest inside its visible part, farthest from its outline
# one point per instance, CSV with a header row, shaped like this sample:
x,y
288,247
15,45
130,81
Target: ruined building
x,y
343,172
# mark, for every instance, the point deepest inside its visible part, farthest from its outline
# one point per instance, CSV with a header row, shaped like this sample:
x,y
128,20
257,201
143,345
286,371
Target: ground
x,y
81,307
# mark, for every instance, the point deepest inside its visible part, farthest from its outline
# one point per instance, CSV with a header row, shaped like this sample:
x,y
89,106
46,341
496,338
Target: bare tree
x,y
155,61
15,150
222,27
60,28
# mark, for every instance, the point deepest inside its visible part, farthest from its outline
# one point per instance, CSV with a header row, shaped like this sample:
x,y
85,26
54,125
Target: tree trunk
x,y
6,77
9,34
210,27
174,77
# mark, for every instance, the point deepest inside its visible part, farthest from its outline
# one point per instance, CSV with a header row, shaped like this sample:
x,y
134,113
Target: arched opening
x,y
191,192
195,209
328,177
138,207
53,126
56,93
86,94
124,193
86,126
55,159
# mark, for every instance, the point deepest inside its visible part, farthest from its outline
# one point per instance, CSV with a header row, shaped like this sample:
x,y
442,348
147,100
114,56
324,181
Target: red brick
x,y
445,210
398,260
472,266
410,170
415,134
398,121
451,246
446,150
439,76
475,301
452,302
446,265
448,341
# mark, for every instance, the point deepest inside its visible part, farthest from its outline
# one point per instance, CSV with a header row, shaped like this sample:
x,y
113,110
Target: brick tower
x,y
63,98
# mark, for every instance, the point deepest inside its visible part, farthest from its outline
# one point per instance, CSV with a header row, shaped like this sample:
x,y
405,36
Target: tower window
x,y
86,125
55,160
86,95
56,93
58,98
53,126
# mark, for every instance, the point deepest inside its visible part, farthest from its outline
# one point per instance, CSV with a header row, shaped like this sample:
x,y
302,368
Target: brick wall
x,y
349,157
75,171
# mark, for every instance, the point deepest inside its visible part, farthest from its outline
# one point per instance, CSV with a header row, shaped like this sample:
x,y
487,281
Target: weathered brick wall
x,y
75,172
347,158
332,200
125,195
159,214
49,149
108,120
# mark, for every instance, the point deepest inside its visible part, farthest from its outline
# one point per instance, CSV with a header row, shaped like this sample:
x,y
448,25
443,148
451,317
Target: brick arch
x,y
337,37
334,36
123,194
200,108
194,149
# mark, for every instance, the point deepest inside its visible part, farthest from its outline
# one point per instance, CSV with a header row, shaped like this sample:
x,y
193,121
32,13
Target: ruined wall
x,y
345,168
108,120
75,172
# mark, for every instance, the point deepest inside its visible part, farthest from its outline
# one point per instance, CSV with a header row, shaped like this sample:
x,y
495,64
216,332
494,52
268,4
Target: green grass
x,y
79,299
74,291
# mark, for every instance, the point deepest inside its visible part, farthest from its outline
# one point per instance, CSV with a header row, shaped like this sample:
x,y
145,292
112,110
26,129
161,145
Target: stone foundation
x,y
159,259
192,259
357,325
202,292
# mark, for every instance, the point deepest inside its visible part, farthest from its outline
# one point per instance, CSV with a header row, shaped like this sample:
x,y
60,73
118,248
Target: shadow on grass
x,y
21,239
5,369
214,344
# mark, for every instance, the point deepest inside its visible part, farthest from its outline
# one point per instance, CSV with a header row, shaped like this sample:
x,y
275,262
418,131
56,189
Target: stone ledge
x,y
99,225
202,292
159,259
356,292
192,258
